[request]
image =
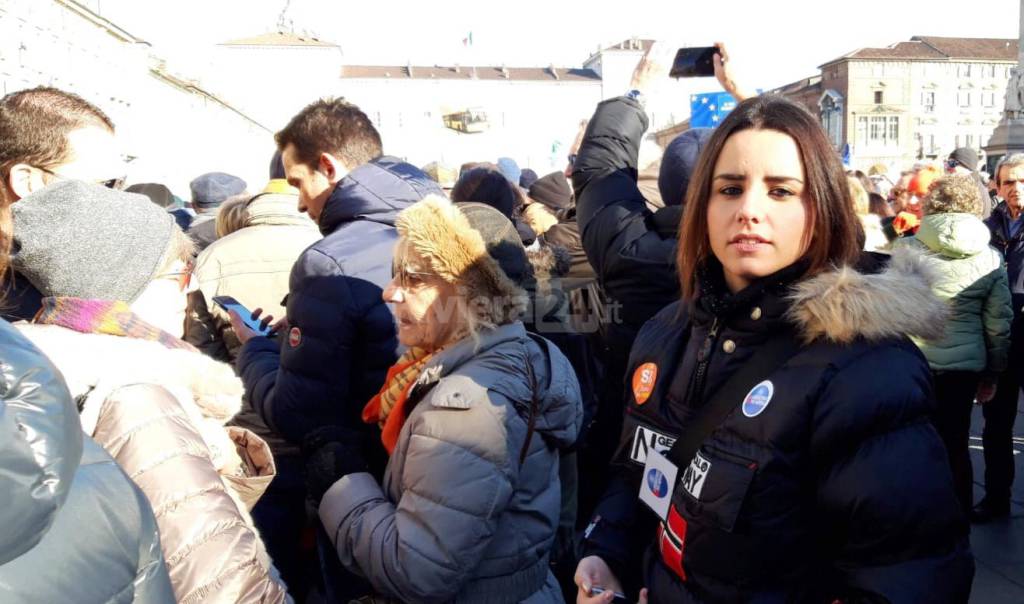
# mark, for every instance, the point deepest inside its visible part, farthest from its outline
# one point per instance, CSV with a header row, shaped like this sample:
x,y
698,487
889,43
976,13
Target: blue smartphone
x,y
228,303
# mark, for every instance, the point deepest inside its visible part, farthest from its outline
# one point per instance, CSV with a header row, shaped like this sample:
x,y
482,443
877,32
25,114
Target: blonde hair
x,y
233,215
954,194
539,218
181,248
861,201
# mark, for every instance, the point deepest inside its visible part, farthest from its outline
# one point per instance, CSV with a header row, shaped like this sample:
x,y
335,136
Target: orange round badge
x,y
643,382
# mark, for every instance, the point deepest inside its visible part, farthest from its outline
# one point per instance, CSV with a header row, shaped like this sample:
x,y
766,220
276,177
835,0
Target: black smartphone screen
x,y
694,62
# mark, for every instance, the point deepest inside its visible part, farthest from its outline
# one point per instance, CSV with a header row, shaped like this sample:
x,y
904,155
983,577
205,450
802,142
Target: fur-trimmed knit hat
x,y
954,194
442,237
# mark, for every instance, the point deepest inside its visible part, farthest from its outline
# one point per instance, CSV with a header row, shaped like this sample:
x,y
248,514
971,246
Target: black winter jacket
x,y
633,259
835,488
342,335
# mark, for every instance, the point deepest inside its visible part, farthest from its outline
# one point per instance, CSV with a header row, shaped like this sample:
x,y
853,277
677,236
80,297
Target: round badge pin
x,y
643,382
294,337
758,398
657,483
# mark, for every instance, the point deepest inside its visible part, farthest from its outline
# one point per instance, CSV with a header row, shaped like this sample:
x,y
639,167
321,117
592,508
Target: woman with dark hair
x,y
780,467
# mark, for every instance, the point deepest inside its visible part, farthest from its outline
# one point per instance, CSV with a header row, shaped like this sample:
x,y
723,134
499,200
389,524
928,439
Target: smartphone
x,y
618,599
694,62
228,303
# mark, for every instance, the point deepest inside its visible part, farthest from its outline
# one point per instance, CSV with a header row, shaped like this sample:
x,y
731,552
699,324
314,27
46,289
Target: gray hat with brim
x,y
87,241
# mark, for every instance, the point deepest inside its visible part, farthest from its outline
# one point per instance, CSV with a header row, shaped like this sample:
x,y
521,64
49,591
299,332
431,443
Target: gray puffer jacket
x,y
464,515
72,525
971,278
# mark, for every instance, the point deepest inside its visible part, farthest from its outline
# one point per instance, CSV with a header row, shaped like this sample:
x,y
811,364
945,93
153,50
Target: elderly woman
x,y
777,425
967,360
472,414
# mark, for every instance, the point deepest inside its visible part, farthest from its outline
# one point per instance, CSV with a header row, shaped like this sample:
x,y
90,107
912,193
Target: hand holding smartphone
x,y
694,62
228,304
618,598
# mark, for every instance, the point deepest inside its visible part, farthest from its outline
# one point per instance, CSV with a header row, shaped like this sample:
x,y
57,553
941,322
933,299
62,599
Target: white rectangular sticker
x,y
645,440
696,475
658,482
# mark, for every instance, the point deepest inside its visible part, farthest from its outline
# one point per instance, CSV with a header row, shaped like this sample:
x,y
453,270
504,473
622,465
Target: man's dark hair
x,y
35,123
332,126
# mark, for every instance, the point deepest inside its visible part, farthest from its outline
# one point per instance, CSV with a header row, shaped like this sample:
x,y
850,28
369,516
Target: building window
x,y
991,71
956,141
964,70
970,141
878,131
989,99
928,101
963,98
931,143
878,97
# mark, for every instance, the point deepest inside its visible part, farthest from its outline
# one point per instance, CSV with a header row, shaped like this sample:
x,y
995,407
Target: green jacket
x,y
971,276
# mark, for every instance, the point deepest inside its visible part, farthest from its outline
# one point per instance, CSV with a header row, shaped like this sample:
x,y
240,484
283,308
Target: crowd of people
x,y
364,381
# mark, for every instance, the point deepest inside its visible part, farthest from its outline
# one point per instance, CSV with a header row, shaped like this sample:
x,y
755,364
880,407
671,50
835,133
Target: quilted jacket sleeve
x,y
887,511
303,382
425,546
996,317
620,240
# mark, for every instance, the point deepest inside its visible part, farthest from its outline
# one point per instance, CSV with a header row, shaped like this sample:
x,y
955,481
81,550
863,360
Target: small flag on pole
x,y
468,40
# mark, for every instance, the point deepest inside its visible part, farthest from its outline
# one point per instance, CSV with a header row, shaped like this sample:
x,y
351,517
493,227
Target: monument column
x,y
1008,136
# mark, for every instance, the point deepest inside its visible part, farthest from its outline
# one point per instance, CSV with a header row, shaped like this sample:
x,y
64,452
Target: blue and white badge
x,y
758,398
658,483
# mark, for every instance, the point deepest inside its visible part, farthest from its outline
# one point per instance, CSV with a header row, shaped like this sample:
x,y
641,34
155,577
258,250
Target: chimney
x,y
408,68
457,68
472,72
504,71
554,72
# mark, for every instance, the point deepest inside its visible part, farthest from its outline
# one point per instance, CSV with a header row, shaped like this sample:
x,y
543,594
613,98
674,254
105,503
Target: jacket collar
x,y
277,209
843,305
445,362
376,191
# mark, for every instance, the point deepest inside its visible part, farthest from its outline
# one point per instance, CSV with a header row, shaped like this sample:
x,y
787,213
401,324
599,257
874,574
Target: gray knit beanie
x,y
87,241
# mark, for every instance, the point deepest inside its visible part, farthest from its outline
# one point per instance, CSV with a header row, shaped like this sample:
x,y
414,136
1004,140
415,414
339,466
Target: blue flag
x,y
708,109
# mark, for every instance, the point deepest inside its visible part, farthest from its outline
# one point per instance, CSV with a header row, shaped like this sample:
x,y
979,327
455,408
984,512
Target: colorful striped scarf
x,y
387,408
110,317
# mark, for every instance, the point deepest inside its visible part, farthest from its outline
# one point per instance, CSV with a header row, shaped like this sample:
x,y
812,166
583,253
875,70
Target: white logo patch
x,y
696,475
644,440
758,398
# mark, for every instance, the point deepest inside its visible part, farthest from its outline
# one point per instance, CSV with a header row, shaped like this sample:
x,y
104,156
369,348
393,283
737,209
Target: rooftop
x,y
440,72
933,48
280,38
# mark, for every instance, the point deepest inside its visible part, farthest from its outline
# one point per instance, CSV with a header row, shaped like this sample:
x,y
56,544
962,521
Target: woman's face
x,y
757,210
424,307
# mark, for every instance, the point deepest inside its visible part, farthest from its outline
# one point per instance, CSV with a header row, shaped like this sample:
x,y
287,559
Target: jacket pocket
x,y
713,487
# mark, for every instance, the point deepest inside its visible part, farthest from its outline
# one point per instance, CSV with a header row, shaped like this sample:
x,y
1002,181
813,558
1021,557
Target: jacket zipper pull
x,y
705,348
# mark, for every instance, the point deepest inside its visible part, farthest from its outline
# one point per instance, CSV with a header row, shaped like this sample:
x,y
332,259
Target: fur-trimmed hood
x,y
843,305
96,365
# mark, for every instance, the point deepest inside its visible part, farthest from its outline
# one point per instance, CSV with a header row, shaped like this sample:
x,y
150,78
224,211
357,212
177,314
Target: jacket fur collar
x,y
843,305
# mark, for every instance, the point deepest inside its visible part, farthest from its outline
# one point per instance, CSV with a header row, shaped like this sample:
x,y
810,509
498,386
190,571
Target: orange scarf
x,y
387,407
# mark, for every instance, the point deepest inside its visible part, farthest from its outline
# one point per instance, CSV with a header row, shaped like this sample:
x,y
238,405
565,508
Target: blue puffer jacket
x,y
341,339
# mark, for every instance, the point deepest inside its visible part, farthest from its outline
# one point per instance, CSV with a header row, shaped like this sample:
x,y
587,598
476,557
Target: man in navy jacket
x,y
338,339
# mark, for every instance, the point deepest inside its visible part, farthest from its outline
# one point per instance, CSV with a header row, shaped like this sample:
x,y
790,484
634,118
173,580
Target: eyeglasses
x,y
572,159
182,277
952,164
408,279
111,183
